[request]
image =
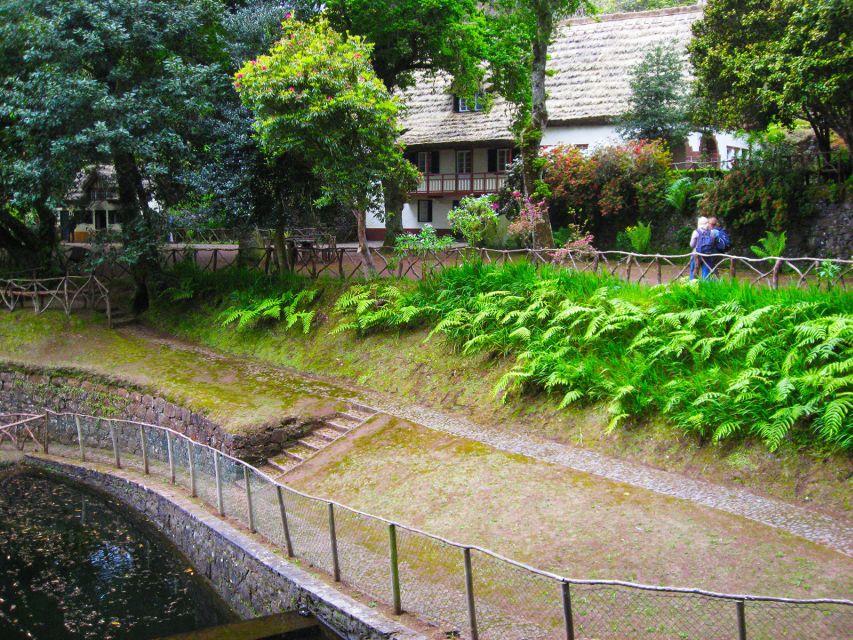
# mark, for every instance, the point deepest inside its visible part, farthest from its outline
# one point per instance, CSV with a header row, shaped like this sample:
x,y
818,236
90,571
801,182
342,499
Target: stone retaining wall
x,y
252,580
32,390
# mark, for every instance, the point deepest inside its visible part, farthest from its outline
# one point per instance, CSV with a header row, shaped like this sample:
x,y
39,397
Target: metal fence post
x,y
395,569
251,512
116,455
220,503
469,592
144,444
191,457
567,611
741,620
80,438
333,538
171,455
284,526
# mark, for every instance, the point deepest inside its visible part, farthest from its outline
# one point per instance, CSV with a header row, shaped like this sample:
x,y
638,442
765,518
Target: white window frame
x,y
424,162
504,159
469,161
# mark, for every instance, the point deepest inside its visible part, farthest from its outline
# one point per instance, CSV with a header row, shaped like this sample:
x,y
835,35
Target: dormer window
x,y
461,105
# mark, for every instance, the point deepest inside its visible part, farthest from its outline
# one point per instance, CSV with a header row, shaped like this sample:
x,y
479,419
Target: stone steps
x,y
309,445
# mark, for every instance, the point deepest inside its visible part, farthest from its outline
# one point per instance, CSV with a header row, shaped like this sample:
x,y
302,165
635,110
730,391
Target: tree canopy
x,y
316,97
122,82
659,104
759,62
521,32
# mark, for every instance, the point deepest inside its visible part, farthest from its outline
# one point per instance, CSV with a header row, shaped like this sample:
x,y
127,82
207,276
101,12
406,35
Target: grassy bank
x,y
387,350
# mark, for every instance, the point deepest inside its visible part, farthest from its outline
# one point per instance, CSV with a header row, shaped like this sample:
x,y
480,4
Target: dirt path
x,y
487,486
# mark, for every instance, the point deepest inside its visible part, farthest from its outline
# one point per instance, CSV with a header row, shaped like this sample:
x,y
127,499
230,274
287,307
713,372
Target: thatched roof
x,y
591,59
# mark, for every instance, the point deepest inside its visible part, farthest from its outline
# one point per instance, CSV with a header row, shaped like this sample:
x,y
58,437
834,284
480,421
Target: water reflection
x,y
77,565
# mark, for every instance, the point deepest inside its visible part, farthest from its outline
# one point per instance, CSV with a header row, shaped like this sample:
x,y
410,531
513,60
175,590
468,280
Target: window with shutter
x,y
492,164
435,162
503,159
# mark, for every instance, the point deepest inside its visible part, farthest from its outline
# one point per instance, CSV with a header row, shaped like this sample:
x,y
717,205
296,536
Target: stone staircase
x,y
309,445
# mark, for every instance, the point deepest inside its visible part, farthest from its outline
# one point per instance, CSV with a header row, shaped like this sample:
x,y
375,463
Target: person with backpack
x,y
720,243
700,239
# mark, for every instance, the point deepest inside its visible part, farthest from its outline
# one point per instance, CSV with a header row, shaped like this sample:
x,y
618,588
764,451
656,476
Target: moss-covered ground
x,y
571,523
232,391
547,515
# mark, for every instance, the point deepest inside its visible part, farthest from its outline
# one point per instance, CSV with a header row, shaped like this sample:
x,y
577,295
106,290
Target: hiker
x,y
702,231
720,243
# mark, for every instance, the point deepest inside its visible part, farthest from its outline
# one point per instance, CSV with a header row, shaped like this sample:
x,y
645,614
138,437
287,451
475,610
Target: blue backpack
x,y
705,242
722,241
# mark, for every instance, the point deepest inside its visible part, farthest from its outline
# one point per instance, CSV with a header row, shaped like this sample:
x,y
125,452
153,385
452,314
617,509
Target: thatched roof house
x,y
591,60
461,150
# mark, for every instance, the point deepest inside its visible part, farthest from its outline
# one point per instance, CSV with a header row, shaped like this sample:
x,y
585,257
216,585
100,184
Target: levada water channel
x,y
74,564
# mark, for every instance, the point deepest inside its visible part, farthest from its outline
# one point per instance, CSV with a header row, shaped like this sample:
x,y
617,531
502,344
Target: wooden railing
x,y
181,235
347,263
460,183
62,292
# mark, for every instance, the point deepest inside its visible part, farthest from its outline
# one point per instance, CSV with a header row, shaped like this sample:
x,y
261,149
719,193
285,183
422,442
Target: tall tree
x,y
658,108
521,32
121,82
409,36
317,100
759,62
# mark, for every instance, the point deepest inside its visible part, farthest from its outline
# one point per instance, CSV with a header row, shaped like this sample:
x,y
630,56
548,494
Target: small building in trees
x,y
91,206
462,148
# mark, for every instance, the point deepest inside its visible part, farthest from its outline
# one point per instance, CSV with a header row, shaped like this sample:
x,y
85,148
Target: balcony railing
x,y
460,183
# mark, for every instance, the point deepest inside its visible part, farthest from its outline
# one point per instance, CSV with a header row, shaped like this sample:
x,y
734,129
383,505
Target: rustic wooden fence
x,y
62,292
348,263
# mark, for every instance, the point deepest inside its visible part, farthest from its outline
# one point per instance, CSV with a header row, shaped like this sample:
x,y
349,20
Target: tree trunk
x,y
364,250
133,199
20,241
532,135
280,248
394,201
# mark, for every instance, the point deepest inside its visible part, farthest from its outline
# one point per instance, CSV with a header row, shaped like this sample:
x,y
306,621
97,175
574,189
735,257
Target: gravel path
x,y
812,526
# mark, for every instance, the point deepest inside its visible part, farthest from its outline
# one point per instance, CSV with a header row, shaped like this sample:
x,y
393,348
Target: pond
x,y
75,564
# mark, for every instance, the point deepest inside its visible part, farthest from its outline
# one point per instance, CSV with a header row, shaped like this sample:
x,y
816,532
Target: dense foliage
x,y
659,104
759,62
719,360
611,187
316,98
773,189
129,83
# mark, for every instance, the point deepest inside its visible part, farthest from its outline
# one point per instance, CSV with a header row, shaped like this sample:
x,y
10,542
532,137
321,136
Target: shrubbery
x,y
720,360
609,188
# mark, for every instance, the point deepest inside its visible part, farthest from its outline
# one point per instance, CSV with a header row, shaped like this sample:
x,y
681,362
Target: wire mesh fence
x,y
469,592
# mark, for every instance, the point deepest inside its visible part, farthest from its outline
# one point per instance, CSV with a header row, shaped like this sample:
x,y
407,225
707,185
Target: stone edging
x,y
25,388
252,579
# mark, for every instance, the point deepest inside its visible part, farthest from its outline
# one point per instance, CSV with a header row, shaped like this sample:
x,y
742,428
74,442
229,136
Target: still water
x,y
74,564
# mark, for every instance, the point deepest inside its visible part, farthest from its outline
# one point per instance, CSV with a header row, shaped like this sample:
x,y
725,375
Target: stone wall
x,y
32,390
829,233
249,576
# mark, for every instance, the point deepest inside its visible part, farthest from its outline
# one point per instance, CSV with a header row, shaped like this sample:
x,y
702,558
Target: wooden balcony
x,y
435,184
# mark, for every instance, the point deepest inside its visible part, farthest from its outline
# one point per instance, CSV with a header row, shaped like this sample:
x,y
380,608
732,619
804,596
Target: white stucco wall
x,y
593,136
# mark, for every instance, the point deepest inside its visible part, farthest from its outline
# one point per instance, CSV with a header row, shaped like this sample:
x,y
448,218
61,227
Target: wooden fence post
x,y
395,569
333,539
469,593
